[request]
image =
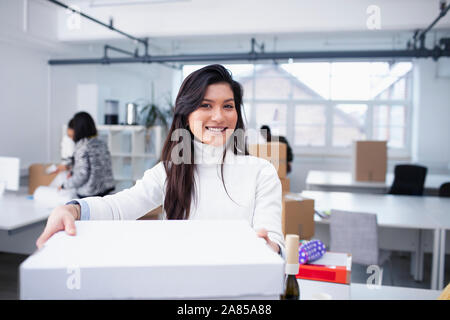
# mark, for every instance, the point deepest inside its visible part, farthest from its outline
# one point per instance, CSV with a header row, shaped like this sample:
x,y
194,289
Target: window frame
x,y
328,150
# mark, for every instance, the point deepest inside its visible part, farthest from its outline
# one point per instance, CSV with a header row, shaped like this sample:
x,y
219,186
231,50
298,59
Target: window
x,y
272,114
324,106
310,125
390,124
349,123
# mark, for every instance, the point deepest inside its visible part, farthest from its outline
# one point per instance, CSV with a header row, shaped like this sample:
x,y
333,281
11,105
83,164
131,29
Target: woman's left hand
x,y
262,233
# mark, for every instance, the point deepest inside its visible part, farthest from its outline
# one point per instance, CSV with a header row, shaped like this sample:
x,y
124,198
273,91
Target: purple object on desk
x,y
309,251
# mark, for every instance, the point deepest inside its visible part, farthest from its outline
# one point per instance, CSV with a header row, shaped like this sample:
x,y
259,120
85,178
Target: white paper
x,y
51,169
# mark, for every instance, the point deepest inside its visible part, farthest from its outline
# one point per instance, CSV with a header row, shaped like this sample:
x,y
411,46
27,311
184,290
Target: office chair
x,y
408,180
357,233
444,190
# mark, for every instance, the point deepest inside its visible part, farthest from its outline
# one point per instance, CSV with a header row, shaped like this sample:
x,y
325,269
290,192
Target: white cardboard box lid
x,y
224,252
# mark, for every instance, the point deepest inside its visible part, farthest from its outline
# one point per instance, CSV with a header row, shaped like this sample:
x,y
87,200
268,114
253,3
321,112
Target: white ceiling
x,y
190,18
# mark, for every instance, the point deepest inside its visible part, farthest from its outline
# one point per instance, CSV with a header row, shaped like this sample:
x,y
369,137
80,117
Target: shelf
x,y
145,155
122,155
118,127
130,155
123,179
133,149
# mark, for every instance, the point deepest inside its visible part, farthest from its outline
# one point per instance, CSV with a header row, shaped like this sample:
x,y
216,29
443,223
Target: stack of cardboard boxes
x,y
297,212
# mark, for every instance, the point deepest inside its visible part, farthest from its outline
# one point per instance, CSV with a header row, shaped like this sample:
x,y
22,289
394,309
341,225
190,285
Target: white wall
x,y
432,115
24,84
24,105
38,99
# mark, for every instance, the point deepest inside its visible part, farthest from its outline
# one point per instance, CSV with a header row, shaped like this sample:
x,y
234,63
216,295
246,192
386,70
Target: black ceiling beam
x,y
311,55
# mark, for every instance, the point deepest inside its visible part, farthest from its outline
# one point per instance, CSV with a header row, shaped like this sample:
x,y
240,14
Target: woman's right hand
x,y
61,218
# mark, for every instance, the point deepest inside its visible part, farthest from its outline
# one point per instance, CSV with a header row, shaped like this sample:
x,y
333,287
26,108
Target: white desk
x,y
443,219
343,181
21,222
360,291
399,212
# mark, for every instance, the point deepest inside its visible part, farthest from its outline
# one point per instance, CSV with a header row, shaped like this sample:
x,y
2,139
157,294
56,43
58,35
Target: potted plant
x,y
153,115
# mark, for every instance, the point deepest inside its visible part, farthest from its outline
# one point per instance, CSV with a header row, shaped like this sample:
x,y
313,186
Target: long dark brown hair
x,y
180,184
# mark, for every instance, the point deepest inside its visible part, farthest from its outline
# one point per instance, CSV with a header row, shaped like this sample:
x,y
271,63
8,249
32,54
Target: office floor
x,y
9,275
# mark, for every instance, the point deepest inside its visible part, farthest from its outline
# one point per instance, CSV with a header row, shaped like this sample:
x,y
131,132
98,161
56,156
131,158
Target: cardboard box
x,y
38,177
285,185
275,152
297,215
163,259
331,267
369,160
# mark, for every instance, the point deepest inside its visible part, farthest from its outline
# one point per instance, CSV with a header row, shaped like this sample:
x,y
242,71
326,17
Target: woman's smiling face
x,y
214,121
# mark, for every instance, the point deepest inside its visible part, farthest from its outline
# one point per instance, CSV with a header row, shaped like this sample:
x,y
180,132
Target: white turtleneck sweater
x,y
251,182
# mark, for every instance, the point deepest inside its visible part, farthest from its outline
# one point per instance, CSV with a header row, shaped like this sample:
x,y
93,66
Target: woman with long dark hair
x,y
205,171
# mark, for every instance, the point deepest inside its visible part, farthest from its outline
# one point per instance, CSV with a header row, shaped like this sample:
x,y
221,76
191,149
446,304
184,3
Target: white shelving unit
x,y
133,149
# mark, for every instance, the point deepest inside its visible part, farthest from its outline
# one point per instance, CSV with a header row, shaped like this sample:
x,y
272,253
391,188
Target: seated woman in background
x,y
92,169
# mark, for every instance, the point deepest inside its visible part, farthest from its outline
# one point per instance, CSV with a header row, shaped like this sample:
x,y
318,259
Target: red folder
x,y
331,267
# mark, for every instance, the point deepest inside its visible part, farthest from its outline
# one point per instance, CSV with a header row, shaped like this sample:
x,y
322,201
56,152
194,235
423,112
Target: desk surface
x,y
392,210
345,179
17,210
309,290
360,291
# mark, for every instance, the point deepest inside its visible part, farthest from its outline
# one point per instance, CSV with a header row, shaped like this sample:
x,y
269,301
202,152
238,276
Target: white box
x,y
154,259
9,173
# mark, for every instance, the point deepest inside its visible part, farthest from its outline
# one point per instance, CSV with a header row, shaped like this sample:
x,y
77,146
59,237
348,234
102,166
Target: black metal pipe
x,y
441,15
420,34
311,55
109,26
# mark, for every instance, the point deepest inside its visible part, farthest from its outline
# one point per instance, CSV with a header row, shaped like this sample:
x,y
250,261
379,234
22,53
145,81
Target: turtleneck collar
x,y
209,154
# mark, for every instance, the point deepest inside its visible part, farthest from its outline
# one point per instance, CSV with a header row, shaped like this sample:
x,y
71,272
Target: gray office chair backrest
x,y
355,233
